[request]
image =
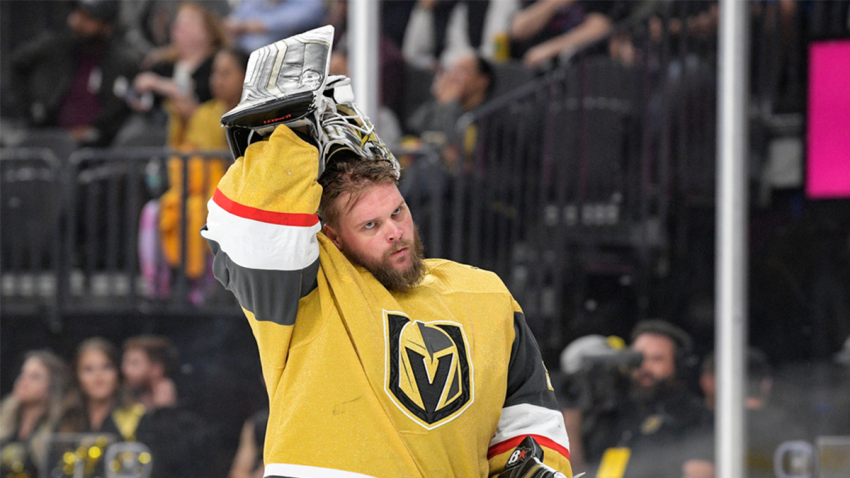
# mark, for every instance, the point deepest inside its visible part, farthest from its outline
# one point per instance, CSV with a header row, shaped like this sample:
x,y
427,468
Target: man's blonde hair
x,y
353,175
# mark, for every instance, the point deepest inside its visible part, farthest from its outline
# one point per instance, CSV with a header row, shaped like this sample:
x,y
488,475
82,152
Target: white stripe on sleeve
x,y
259,245
525,419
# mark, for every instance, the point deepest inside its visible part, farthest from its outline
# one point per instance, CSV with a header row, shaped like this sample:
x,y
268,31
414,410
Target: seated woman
x,y
30,413
94,405
202,132
97,402
178,79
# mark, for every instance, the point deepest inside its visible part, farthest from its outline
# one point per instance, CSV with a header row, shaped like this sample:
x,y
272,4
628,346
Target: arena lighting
x,y
827,164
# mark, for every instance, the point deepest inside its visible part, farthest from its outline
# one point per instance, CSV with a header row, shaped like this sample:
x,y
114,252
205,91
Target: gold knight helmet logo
x,y
429,373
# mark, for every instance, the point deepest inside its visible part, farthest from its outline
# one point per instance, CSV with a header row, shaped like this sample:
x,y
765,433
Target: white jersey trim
x,y
260,245
525,419
301,471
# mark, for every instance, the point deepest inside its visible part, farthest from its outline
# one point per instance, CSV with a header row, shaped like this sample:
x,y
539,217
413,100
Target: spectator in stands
x,y
147,365
441,10
544,30
146,23
172,431
201,132
31,412
658,412
464,86
179,80
248,462
256,23
97,402
68,79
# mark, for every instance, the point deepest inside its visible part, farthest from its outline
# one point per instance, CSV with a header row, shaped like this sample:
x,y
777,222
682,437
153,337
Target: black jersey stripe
x,y
527,377
268,294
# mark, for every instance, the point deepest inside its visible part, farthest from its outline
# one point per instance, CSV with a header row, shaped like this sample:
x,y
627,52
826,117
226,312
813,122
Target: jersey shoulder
x,y
453,276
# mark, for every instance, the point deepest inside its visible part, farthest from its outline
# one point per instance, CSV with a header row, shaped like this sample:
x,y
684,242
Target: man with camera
x,y
647,423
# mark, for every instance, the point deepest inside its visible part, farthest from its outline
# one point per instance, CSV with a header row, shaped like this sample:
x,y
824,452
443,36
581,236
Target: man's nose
x,y
394,232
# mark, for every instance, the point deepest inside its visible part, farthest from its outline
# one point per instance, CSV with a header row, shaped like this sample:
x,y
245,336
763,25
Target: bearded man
x,y
377,362
660,427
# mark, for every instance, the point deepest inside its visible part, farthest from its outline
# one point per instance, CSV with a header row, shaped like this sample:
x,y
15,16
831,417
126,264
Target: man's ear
x,y
332,235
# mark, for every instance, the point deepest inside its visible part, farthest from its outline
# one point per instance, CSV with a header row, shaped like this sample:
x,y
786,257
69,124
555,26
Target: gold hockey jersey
x,y
441,381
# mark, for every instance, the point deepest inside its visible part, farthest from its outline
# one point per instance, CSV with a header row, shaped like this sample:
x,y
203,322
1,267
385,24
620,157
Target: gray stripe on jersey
x,y
527,381
271,295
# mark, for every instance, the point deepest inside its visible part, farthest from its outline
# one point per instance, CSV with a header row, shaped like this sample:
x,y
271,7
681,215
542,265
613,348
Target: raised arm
x,y
262,226
263,220
533,19
594,27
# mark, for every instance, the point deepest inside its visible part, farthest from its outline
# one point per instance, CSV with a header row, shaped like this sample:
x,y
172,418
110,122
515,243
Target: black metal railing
x,y
32,188
87,235
74,235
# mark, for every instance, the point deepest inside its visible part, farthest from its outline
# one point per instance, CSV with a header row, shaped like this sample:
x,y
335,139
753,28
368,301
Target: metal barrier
x,y
82,237
31,191
564,183
113,249
600,167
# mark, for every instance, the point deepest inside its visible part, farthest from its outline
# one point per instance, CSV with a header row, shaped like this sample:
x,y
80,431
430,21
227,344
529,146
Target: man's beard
x,y
647,394
390,277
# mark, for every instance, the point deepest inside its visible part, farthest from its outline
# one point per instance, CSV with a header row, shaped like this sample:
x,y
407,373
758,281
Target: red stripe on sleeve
x,y
248,212
512,443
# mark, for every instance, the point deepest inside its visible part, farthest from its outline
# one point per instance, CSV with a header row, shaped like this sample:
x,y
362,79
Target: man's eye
x,y
369,225
397,211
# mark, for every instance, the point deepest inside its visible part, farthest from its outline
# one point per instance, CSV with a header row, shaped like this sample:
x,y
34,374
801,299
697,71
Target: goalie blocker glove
x,y
526,461
287,82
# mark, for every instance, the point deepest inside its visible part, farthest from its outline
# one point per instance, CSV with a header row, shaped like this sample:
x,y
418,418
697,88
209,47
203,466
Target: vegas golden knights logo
x,y
429,372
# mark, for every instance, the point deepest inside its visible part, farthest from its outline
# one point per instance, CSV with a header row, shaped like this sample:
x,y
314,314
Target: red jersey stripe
x,y
506,445
270,217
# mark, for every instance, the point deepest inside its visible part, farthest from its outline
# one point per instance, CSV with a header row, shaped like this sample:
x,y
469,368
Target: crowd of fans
x,y
118,72
161,74
101,397
646,407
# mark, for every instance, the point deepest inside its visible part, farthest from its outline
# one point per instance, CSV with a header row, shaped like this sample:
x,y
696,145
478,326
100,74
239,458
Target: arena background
x,y
590,191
